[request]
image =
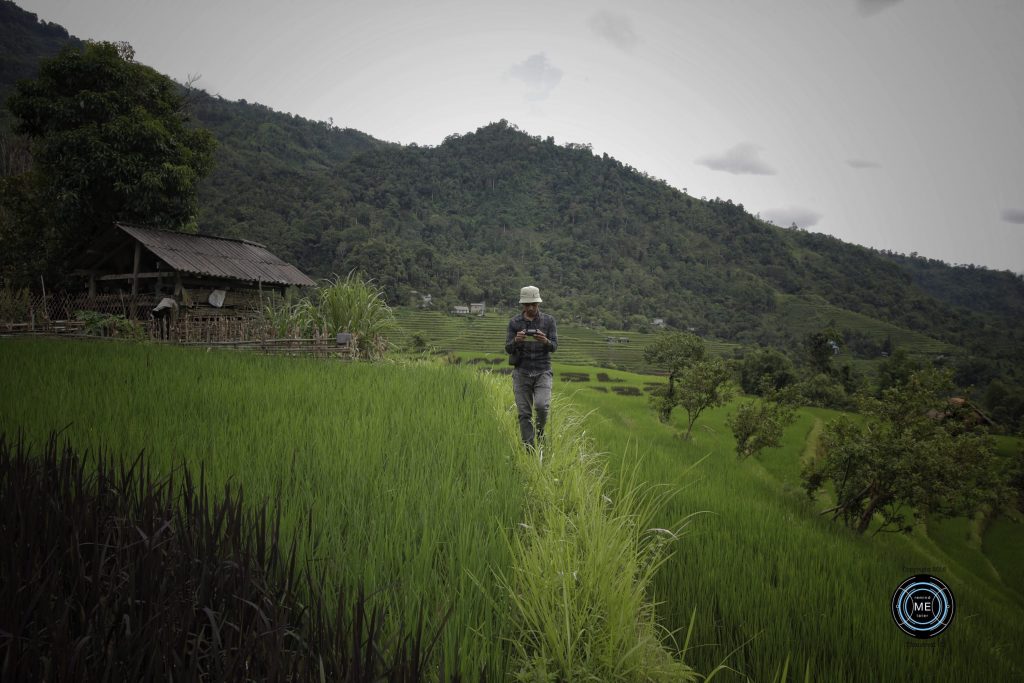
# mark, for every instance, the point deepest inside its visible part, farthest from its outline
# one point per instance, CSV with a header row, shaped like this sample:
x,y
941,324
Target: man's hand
x,y
541,337
520,336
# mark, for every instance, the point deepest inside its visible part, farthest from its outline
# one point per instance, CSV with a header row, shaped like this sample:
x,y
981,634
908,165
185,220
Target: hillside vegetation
x,y
482,213
418,493
410,477
24,40
486,335
772,582
544,567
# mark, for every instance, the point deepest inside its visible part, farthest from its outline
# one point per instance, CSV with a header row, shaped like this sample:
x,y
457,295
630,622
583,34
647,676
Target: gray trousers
x,y
533,392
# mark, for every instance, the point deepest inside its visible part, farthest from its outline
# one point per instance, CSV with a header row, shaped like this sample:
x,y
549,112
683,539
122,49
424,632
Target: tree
x,y
765,364
820,347
896,370
702,385
759,424
910,454
110,141
673,351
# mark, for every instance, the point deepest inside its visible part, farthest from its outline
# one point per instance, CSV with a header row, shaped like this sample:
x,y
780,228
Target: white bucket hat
x,y
529,295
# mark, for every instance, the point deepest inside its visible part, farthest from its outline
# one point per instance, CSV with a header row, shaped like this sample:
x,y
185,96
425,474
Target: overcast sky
x,y
897,124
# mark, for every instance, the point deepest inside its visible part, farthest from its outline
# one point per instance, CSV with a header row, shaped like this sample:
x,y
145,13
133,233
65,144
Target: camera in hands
x,y
531,332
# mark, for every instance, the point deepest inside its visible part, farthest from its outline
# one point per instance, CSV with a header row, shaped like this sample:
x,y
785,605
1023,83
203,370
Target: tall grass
x,y
584,557
775,586
350,305
109,572
357,306
409,480
416,485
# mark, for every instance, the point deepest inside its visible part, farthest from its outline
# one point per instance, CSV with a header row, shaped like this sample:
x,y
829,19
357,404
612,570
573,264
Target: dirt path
x,y
811,443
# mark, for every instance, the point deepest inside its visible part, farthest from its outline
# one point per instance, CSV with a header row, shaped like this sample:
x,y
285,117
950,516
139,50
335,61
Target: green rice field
x,y
486,335
774,584
411,475
409,479
624,553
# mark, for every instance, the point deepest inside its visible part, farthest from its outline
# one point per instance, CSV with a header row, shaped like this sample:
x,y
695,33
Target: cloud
x,y
1014,216
789,215
869,7
862,163
616,29
537,73
741,159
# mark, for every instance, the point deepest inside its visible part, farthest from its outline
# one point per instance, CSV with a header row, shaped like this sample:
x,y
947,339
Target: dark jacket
x,y
534,356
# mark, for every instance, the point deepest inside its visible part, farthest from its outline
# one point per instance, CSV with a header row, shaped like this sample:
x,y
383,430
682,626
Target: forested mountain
x,y
474,216
480,214
24,40
272,180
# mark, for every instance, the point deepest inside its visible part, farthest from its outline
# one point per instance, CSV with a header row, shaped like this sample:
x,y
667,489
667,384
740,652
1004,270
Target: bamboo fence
x,y
238,328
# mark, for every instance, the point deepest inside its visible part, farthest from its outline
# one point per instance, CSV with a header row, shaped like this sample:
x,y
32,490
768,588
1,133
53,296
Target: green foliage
x,y
702,385
761,531
351,305
14,303
287,316
111,325
417,344
110,141
357,306
820,347
464,537
765,369
759,424
675,352
969,286
694,383
913,452
897,370
1005,405
24,40
615,246
585,557
486,334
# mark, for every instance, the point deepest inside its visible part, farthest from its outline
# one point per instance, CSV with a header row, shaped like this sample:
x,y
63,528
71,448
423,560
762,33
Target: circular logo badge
x,y
923,606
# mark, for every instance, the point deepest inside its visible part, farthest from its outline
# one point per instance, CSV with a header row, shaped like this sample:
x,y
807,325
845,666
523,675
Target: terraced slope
x,y
805,314
486,334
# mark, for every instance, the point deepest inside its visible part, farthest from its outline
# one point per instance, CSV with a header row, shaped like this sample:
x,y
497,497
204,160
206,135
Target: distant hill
x,y
24,40
481,214
273,176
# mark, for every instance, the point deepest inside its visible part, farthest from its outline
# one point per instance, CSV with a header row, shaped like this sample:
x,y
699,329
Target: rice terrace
x,y
397,488
267,393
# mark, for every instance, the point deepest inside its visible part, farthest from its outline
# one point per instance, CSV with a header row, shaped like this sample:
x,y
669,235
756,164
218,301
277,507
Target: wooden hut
x,y
130,258
132,269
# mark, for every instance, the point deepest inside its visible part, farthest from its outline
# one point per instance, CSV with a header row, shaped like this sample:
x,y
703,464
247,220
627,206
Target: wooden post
x,y
46,313
135,268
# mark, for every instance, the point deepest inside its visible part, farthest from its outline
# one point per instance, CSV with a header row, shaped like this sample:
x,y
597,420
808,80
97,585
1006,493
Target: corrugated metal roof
x,y
217,256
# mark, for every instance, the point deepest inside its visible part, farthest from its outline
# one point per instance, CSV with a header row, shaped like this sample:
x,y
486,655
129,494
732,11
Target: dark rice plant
x,y
110,573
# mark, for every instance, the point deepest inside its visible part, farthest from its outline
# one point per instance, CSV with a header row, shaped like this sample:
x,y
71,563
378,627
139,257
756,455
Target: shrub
x,y
14,304
357,306
106,325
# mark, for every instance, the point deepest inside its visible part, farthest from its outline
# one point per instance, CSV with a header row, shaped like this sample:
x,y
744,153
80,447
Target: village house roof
x,y
205,255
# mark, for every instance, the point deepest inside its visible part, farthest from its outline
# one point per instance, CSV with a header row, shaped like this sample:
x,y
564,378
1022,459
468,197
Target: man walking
x,y
532,338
